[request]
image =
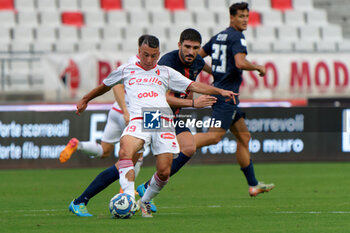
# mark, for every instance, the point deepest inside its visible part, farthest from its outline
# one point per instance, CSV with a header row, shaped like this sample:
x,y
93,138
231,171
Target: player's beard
x,y
188,63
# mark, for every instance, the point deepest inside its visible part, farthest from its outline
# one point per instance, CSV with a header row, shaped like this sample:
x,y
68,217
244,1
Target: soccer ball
x,y
122,205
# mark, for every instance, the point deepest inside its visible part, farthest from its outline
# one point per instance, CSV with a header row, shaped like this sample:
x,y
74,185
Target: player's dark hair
x,y
190,34
141,39
238,6
151,41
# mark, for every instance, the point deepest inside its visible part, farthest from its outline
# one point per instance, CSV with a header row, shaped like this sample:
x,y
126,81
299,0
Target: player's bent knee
x,y
244,138
189,150
123,154
215,138
163,174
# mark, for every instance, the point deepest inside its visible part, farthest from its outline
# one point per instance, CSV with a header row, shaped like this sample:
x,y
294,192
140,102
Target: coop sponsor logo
x,y
149,94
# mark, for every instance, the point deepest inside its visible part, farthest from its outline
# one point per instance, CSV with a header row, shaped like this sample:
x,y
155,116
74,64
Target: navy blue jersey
x,y
222,48
172,60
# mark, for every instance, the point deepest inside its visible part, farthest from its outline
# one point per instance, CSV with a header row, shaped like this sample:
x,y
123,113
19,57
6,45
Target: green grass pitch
x,y
309,197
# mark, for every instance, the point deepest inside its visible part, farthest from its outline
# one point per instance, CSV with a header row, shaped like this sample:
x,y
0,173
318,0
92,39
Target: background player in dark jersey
x,y
186,61
228,52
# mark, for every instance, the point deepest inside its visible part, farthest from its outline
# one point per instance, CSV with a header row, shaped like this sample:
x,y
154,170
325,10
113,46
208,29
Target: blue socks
x,y
178,163
249,174
102,181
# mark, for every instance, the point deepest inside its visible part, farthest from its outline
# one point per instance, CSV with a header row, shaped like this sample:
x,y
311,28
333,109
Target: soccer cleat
x,y
145,209
261,187
79,210
141,191
69,150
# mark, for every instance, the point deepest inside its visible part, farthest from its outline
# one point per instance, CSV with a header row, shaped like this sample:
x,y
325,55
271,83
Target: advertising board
x,y
34,137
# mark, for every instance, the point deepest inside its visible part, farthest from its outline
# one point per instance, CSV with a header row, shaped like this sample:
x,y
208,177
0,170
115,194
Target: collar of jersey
x,y
139,65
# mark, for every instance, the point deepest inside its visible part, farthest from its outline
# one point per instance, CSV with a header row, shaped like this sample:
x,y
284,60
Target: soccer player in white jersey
x,y
118,118
146,85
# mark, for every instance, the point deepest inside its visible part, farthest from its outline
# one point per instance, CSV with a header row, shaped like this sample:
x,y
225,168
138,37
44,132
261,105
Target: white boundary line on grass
x,y
313,212
209,206
42,210
160,207
182,207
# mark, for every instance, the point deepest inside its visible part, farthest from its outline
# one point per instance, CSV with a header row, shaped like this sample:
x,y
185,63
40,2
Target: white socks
x,y
125,165
154,188
138,166
91,148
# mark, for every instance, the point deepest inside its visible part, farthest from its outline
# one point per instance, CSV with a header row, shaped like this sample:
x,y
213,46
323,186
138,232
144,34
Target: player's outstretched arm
x,y
83,102
210,90
201,102
243,64
207,68
119,95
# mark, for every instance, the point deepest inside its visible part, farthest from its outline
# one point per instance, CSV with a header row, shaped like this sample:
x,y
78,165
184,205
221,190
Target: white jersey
x,y
147,89
132,59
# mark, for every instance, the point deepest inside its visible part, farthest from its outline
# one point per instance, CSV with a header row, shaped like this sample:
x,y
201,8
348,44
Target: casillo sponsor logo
x,y
141,81
167,136
147,94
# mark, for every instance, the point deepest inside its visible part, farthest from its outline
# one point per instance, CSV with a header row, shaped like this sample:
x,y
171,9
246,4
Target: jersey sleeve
x,y
115,77
239,45
201,62
208,47
178,82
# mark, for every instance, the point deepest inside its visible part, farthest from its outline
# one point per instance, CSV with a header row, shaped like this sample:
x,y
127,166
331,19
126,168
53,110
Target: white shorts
x,y
162,142
114,127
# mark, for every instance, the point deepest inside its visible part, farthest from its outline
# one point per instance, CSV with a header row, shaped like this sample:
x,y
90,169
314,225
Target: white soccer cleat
x,y
145,209
261,187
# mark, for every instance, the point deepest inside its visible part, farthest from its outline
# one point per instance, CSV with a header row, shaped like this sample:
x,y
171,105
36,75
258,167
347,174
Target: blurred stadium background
x,y
54,51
